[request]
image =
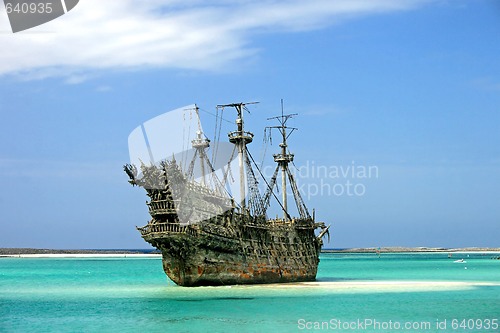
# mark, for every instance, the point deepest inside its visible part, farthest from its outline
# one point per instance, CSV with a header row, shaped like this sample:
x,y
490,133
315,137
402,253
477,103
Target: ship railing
x,y
279,221
237,135
271,222
157,207
169,228
282,221
297,222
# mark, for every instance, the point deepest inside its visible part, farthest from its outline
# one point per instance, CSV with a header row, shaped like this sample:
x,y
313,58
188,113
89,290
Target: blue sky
x,y
410,87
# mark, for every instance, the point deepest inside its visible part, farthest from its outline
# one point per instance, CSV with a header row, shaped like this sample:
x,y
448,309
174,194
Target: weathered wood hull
x,y
247,253
198,259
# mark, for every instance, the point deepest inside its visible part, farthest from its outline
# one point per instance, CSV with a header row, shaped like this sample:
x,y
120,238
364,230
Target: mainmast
x,y
240,139
284,157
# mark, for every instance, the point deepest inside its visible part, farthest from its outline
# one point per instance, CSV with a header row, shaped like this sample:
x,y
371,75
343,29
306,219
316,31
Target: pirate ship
x,y
209,235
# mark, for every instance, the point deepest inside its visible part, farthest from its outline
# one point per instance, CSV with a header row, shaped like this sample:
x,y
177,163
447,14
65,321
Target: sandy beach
x,y
378,286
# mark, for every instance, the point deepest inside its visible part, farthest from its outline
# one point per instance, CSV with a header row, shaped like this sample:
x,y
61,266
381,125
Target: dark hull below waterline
x,y
202,261
205,273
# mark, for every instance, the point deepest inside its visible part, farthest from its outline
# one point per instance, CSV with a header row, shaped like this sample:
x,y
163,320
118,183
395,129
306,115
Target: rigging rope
x,y
301,206
264,147
218,126
279,202
255,200
228,172
185,139
267,196
190,171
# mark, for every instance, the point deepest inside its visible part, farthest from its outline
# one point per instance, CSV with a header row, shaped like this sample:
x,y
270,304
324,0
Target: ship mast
x,y
284,157
200,144
240,139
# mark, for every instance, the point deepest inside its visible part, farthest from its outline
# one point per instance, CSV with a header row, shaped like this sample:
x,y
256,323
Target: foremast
x,y
200,144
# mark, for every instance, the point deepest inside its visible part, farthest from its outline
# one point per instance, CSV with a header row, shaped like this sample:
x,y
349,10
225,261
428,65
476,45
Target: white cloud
x,y
190,34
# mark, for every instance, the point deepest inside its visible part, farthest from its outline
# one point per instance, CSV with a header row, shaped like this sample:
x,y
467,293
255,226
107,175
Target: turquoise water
x,y
133,295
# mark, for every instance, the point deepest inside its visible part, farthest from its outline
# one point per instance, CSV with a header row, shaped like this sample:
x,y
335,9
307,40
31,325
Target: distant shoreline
x,y
397,249
7,252
36,253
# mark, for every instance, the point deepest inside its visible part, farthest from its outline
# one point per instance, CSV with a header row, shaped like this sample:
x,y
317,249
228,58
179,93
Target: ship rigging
x,y
211,234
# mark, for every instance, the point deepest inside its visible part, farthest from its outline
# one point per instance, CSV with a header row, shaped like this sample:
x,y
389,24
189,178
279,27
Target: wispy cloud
x,y
189,34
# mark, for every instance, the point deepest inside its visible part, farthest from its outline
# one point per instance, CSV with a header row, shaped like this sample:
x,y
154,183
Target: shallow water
x,y
133,295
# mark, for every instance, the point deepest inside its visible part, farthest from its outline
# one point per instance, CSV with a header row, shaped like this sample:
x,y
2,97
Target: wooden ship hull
x,y
249,253
206,238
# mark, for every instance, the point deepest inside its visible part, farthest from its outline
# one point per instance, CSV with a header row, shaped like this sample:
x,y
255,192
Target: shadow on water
x,y
216,299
